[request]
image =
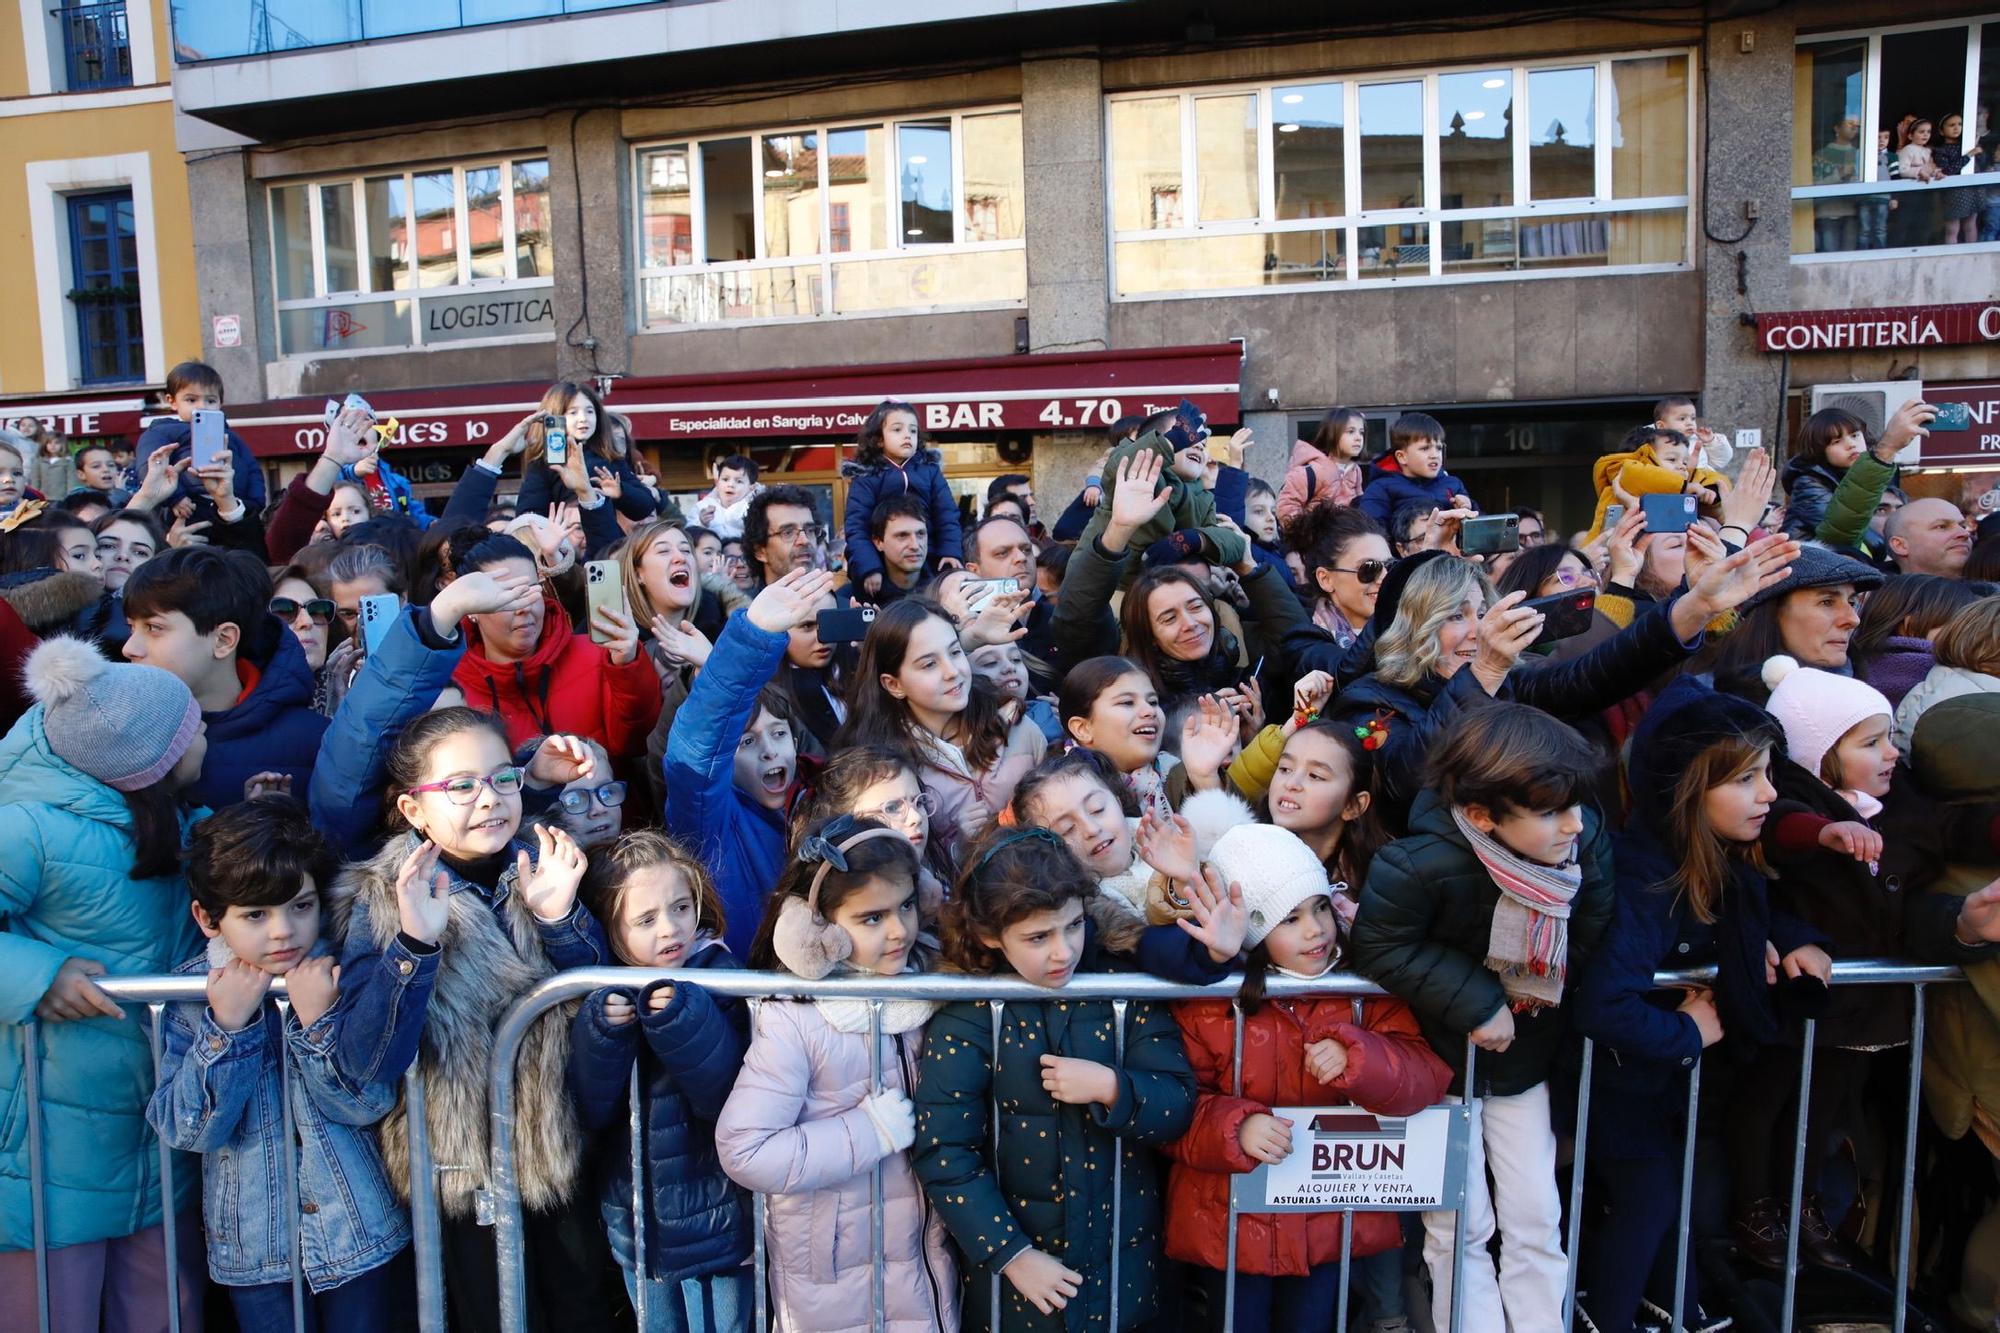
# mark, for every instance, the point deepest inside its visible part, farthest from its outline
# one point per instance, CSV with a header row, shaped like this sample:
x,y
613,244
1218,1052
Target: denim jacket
x,y
220,1095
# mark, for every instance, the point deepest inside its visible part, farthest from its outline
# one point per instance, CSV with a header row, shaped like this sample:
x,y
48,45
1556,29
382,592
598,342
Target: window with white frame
x,y
1503,170
1889,128
829,220
434,255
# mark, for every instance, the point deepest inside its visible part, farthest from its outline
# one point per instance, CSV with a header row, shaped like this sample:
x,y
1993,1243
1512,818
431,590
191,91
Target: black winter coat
x,y
697,1220
1422,932
1880,913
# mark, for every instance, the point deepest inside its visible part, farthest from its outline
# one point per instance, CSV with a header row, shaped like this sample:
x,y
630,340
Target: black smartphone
x,y
1495,535
1569,614
1667,513
845,624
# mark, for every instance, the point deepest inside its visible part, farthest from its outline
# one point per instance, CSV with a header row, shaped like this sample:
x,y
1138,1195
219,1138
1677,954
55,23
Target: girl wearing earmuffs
x,y
806,1124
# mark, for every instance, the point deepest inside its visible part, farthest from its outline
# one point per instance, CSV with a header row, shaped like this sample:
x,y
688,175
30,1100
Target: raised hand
x,y
482,592
162,479
312,987
1912,419
1312,691
1729,583
1267,1138
1326,1060
548,885
682,642
1623,560
423,895
1136,499
1044,1280
994,622
74,995
790,601
1219,918
573,474
1505,632
184,533
351,439
620,634
219,480
1076,1082
1167,845
235,993
607,483
560,760
1743,506
1207,737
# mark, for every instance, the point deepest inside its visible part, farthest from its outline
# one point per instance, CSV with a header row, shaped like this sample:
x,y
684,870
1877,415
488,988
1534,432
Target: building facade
x,y
94,218
752,218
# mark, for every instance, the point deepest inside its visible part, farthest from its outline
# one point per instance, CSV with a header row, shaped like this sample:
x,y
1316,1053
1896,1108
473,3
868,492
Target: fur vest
x,y
491,957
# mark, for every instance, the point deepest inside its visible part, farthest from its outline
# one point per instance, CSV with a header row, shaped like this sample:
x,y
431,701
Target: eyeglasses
x,y
791,532
319,608
465,790
901,808
1569,578
577,802
1367,571
735,562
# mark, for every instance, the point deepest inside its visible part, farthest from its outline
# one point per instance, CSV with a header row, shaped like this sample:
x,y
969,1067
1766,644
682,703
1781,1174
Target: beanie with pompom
x,y
1816,708
1276,870
125,725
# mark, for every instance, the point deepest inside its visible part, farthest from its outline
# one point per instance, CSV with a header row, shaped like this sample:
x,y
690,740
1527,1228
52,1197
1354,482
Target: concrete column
x,y
591,261
1749,107
1062,146
1272,452
232,260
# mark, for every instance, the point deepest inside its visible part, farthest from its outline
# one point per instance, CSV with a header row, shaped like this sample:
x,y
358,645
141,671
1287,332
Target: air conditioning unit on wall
x,y
1874,403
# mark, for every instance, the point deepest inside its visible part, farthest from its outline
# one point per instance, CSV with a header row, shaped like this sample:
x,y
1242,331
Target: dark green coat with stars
x,y
1053,1189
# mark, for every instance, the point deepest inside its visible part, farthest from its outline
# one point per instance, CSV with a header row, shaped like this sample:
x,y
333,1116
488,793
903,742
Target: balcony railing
x,y
230,29
96,50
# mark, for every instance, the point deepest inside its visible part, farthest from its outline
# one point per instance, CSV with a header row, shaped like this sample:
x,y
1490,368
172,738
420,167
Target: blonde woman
x,y
1447,641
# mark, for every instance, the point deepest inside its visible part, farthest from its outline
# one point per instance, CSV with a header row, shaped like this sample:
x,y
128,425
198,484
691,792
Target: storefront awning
x,y
85,414
1053,391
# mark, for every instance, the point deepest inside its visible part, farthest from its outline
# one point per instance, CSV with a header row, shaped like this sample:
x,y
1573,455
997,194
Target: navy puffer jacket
x,y
273,728
697,1221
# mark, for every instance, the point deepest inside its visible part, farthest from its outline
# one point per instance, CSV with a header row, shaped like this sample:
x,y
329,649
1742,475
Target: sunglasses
x,y
577,802
1368,571
321,609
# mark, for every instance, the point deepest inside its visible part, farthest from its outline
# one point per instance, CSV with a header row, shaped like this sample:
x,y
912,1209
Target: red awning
x,y
1053,391
87,412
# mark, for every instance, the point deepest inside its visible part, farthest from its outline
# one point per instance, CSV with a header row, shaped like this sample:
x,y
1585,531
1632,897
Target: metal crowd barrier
x,y
757,987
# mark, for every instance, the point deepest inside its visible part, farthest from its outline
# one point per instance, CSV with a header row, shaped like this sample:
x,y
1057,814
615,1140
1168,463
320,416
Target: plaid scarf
x,y
1529,946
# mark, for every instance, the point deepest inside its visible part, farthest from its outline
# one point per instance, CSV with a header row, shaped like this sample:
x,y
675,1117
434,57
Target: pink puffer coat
x,y
794,1130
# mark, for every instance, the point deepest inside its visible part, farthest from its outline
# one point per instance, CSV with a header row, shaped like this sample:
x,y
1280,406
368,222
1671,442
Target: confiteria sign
x,y
1887,326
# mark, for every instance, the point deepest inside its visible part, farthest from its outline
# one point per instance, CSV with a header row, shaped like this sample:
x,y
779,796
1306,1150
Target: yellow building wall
x,y
85,128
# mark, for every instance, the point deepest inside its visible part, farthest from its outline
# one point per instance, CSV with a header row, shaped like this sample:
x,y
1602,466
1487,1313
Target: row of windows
x,y
1893,141
1484,171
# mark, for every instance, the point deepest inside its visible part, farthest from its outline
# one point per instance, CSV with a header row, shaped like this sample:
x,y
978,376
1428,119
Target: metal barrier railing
x,y
1119,990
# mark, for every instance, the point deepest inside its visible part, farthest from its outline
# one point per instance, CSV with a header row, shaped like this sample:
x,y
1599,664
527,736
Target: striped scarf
x,y
1529,945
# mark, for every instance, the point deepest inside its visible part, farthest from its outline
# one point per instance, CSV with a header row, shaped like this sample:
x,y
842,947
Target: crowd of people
x,y
1200,725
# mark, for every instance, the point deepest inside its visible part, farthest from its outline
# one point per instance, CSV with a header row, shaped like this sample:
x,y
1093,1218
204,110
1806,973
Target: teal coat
x,y
66,892
1053,1188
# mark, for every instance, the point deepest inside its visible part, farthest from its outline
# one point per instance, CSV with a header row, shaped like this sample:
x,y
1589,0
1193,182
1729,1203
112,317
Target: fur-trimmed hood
x,y
490,958
50,600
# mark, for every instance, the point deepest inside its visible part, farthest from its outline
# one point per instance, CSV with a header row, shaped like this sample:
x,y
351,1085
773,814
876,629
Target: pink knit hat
x,y
1816,708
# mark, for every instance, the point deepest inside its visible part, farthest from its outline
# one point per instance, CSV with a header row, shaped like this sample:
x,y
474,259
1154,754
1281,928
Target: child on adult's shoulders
x,y
1413,471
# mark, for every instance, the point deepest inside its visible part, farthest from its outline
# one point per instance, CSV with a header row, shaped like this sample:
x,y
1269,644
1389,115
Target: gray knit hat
x,y
1817,567
125,725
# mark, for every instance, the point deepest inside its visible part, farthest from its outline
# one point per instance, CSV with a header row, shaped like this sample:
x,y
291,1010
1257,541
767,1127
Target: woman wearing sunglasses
x,y
307,609
1346,556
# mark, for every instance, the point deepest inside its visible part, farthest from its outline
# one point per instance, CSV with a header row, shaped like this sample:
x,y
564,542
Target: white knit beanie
x,y
1816,708
1276,869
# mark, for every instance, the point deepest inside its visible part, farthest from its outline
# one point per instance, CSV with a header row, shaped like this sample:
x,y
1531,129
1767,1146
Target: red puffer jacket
x,y
568,684
1391,1070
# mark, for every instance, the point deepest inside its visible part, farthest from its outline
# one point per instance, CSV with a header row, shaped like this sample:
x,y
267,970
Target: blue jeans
x,y
1375,1287
718,1303
1989,214
1874,215
359,1305
1279,1304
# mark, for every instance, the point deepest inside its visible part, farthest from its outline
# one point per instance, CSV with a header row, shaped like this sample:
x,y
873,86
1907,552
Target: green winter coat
x,y
1190,508
1053,1189
1852,507
1422,930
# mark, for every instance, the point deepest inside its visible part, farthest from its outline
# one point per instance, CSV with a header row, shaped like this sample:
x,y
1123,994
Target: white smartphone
x,y
208,438
603,587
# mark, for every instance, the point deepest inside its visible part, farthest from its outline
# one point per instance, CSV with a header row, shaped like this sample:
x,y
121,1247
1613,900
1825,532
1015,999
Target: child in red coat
x,y
1325,1051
